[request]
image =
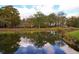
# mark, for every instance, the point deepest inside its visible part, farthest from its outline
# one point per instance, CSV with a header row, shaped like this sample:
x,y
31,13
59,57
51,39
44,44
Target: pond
x,y
49,42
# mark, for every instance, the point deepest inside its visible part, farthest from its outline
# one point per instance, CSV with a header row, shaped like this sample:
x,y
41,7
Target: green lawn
x,y
74,34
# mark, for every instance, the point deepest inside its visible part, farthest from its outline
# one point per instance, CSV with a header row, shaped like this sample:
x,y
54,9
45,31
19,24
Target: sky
x,y
29,7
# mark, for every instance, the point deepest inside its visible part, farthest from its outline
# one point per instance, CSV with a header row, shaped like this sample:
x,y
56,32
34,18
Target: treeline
x,y
9,18
39,20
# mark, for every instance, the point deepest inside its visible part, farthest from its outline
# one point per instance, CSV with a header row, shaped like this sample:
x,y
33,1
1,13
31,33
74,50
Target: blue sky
x,y
29,7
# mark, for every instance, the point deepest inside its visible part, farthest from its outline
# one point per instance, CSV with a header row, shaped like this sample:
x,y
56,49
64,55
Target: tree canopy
x,y
9,16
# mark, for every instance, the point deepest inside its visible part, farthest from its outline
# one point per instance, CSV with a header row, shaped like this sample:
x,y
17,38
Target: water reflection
x,y
41,38
40,43
28,47
8,43
34,43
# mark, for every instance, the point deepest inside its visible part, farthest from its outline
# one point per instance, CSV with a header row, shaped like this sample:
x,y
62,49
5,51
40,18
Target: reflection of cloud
x,y
25,42
26,46
49,48
69,50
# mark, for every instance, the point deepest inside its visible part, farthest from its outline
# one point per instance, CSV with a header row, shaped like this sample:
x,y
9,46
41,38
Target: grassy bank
x,y
22,30
74,34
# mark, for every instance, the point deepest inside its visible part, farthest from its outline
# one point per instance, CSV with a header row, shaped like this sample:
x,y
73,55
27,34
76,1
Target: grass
x,y
74,34
31,30
21,30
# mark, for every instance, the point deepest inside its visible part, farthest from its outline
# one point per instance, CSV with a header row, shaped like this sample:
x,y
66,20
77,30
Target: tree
x,y
9,16
61,18
30,22
73,22
39,19
52,19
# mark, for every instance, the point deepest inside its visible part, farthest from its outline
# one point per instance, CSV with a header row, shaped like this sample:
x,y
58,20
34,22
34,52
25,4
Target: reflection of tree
x,y
41,38
8,43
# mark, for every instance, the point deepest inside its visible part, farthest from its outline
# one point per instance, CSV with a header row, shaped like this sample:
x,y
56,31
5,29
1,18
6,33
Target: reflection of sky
x,y
25,42
27,47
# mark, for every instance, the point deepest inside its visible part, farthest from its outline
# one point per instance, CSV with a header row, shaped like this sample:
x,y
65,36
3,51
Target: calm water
x,y
34,43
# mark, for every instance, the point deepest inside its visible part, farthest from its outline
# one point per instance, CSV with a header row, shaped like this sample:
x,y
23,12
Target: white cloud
x,y
69,15
25,12
68,4
45,9
43,5
24,2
